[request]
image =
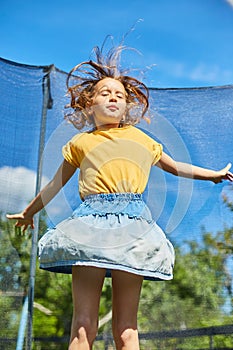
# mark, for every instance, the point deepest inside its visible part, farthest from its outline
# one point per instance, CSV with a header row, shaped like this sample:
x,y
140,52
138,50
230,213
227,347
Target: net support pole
x,y
22,326
47,104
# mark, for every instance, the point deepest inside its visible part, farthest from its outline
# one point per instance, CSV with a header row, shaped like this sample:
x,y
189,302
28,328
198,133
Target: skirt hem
x,y
66,267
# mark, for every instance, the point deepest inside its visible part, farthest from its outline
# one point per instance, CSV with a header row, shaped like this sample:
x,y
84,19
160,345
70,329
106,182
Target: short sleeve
x,y
157,150
71,152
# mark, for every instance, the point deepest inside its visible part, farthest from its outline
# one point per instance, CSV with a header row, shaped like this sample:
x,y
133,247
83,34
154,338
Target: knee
x,y
129,336
84,329
125,334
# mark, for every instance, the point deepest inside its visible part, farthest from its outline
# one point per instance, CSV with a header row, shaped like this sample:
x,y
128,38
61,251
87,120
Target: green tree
x,y
13,279
198,294
195,298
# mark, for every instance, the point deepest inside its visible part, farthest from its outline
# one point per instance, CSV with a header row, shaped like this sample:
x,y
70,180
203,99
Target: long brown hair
x,y
82,79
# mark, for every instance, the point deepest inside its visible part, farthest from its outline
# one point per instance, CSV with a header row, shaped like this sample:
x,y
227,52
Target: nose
x,y
112,98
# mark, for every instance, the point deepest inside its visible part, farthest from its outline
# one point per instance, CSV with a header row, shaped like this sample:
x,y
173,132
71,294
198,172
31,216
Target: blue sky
x,y
189,41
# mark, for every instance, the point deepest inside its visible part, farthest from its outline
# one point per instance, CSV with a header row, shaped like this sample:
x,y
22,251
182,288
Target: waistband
x,y
131,204
114,196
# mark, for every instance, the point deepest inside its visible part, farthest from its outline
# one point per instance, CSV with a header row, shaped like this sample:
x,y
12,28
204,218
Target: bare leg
x,y
126,288
87,285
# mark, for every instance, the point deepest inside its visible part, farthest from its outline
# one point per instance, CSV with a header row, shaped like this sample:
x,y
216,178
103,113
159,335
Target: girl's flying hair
x,y
82,79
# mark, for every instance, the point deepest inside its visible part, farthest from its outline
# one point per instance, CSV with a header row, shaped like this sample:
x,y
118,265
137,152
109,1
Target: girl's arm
x,y
63,174
191,171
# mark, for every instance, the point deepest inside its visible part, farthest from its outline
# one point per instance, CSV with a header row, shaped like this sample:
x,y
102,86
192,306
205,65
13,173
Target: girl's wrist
x,y
27,214
216,177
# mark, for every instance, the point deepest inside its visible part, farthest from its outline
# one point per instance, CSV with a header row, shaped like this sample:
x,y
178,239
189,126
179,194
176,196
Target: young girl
x,y
112,231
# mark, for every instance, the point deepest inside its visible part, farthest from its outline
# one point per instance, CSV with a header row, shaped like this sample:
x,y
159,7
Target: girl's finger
x,y
229,176
13,216
228,167
25,228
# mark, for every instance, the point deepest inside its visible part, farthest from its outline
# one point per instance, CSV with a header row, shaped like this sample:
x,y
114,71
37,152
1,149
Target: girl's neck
x,y
107,126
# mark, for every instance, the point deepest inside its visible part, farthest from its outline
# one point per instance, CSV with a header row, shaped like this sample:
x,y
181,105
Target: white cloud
x,y
17,188
209,74
230,2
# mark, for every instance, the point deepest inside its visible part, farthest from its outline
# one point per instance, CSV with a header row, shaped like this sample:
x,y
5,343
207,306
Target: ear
x,y
89,110
89,103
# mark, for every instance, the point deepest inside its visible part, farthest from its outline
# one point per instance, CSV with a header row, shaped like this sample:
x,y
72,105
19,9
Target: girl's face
x,y
108,103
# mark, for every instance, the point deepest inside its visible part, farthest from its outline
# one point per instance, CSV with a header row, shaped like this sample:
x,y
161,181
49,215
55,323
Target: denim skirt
x,y
109,231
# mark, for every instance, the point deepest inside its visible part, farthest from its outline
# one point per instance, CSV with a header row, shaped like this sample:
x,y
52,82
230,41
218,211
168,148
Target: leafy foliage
x,y
199,296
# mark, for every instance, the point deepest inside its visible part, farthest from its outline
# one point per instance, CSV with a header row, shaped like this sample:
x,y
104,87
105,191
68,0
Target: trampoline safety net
x,y
195,309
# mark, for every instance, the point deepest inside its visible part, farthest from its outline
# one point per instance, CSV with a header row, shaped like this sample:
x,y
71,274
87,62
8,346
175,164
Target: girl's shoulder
x,y
79,137
144,134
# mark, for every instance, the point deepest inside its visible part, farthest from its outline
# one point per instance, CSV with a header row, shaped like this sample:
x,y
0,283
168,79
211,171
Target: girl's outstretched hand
x,y
22,220
223,174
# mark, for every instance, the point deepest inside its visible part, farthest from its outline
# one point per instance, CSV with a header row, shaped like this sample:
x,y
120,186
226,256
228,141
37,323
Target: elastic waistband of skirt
x,y
113,196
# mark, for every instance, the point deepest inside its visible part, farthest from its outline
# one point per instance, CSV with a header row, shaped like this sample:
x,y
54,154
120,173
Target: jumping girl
x,y
112,232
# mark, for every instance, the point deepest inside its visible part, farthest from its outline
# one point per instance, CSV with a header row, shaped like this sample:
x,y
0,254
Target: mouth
x,y
112,108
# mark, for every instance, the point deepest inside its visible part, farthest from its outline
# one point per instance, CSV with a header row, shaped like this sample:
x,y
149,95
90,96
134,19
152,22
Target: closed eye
x,y
120,95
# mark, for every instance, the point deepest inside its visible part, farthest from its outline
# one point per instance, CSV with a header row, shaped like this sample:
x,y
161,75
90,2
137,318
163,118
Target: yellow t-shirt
x,y
112,161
